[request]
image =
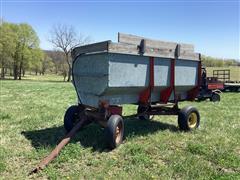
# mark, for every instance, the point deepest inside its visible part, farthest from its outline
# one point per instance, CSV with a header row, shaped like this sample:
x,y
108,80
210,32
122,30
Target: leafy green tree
x,y
19,47
27,40
36,60
7,45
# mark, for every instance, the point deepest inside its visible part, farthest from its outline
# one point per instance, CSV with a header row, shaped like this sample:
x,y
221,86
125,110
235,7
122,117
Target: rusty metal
x,y
97,116
161,109
59,147
119,131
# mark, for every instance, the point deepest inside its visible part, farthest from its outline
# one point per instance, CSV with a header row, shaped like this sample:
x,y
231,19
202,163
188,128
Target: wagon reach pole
x,y
59,147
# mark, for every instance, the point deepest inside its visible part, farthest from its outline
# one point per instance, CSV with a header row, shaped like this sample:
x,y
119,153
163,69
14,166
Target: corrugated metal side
x,y
186,76
161,77
119,78
91,77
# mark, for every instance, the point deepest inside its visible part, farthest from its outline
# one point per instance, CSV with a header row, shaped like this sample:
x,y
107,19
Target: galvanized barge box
x,y
119,72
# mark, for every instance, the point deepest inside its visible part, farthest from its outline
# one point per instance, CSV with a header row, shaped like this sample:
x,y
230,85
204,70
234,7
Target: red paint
x,y
146,94
199,73
166,93
213,86
115,110
191,94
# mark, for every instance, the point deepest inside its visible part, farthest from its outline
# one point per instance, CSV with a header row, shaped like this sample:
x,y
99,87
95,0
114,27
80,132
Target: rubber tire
x,y
110,131
142,109
215,97
183,118
70,117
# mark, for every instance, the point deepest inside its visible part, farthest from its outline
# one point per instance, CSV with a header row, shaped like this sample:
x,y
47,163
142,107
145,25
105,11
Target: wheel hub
x,y
118,133
192,120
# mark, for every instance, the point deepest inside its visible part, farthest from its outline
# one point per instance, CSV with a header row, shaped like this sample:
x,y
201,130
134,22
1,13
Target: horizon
x,y
203,24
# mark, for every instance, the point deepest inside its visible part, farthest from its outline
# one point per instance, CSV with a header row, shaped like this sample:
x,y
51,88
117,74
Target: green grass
x,y
45,78
31,125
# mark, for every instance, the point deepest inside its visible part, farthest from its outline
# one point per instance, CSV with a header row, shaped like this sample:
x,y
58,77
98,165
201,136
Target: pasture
x,y
31,125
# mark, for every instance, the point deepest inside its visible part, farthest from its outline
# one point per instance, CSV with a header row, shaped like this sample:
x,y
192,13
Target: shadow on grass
x,y
93,135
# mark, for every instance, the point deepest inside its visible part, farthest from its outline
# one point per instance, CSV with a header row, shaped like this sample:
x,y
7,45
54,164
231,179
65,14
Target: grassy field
x,y
31,124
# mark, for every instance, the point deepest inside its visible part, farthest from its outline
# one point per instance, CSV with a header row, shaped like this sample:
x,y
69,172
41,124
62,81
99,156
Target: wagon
x,y
153,74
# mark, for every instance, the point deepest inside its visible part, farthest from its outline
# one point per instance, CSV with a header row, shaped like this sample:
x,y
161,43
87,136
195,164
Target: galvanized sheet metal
x,y
119,78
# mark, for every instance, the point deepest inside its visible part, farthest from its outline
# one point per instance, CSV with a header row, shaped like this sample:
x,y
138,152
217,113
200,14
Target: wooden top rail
x,y
132,39
130,44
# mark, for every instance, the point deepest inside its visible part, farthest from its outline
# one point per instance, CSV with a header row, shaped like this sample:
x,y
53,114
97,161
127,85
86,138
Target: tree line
x,y
209,61
20,50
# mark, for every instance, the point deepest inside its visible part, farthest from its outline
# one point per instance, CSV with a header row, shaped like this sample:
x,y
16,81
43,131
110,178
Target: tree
x,y
60,65
16,45
65,39
19,50
209,61
47,63
7,45
27,42
36,60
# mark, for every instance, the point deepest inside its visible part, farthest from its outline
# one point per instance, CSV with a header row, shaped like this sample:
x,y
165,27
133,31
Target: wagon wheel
x,y
114,131
70,117
215,97
143,109
188,118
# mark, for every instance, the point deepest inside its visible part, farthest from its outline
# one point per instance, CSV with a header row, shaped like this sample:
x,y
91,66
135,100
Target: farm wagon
x,y
155,75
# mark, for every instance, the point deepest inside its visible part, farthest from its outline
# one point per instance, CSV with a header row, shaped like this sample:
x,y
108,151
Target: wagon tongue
x,y
59,147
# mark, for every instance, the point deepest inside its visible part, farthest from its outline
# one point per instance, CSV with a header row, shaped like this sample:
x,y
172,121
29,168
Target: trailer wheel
x,y
142,109
188,118
70,117
114,131
215,97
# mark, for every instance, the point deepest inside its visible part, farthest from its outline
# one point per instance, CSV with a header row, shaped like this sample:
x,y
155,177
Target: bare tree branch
x,y
65,38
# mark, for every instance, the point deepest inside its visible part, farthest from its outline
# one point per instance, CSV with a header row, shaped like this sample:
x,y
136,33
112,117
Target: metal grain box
x,y
117,73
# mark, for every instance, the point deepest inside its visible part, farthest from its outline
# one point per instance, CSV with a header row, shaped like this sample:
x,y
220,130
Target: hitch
x,y
59,147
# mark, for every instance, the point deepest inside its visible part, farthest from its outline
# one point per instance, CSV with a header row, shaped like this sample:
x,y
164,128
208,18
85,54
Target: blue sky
x,y
212,26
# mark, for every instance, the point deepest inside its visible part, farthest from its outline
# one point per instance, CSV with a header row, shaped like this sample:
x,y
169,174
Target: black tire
x,y
114,131
142,109
215,97
70,117
188,118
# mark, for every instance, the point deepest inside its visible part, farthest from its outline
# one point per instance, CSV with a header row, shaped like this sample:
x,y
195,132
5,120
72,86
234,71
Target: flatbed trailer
x,y
232,87
224,76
